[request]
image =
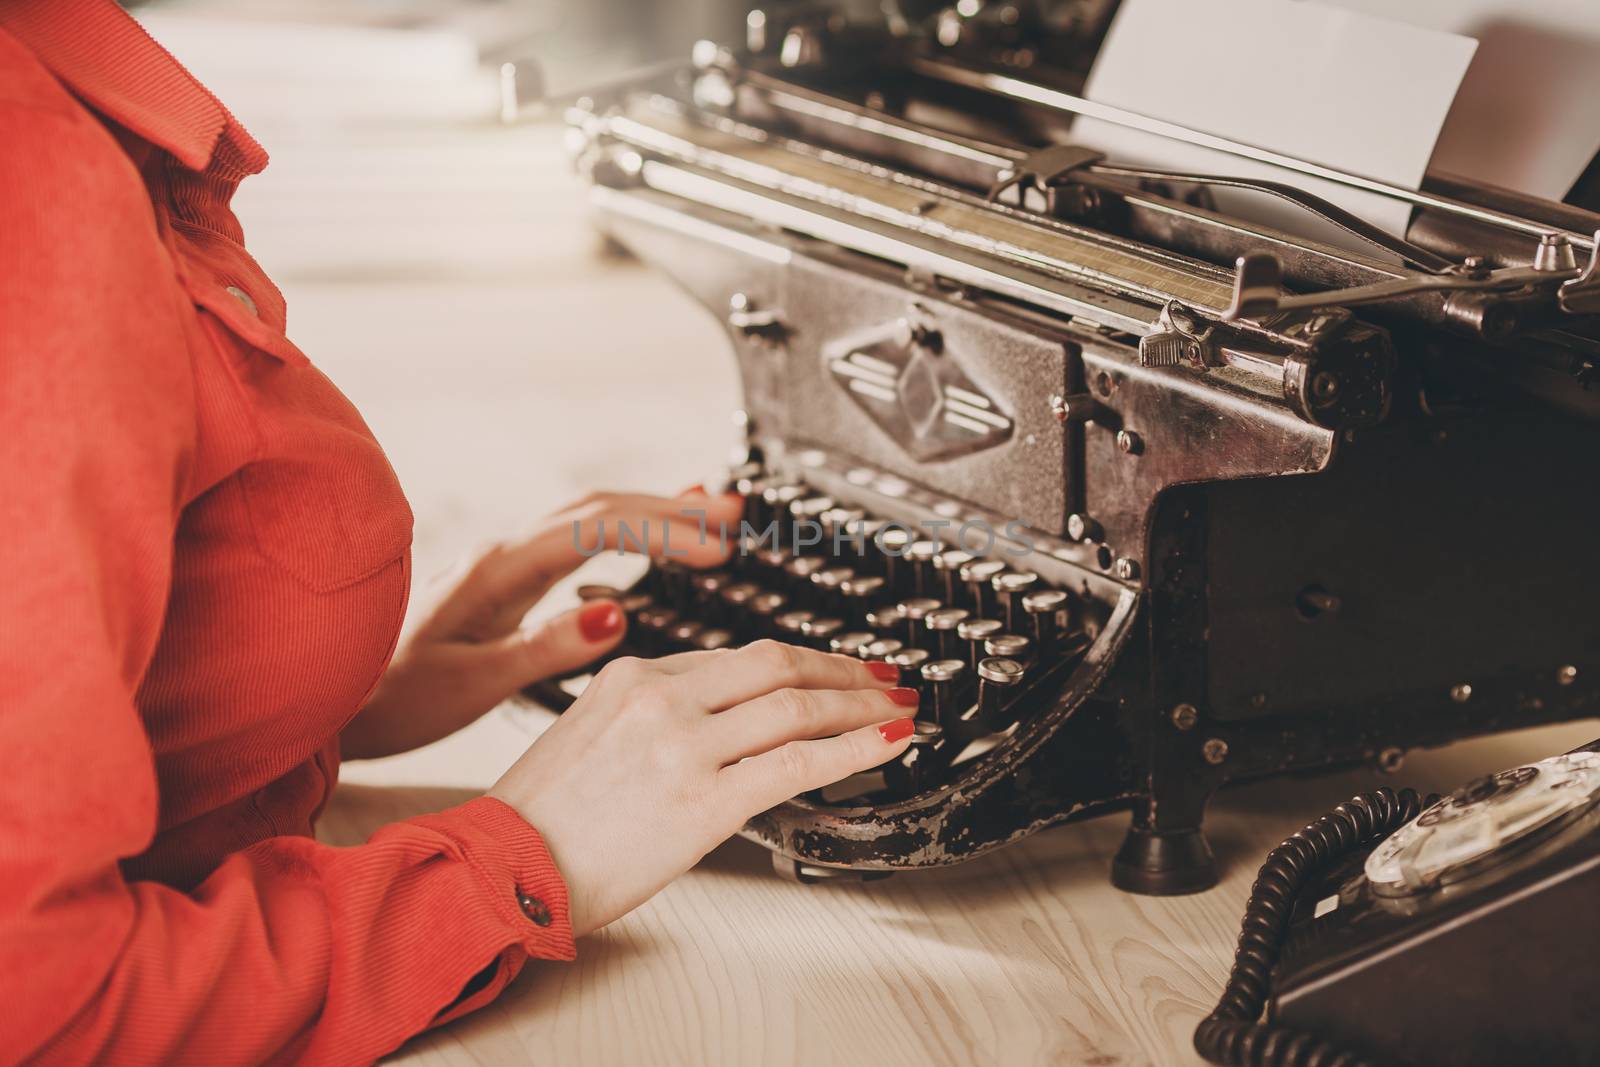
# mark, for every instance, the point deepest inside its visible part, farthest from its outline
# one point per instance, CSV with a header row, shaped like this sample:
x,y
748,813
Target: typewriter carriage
x,y
1300,540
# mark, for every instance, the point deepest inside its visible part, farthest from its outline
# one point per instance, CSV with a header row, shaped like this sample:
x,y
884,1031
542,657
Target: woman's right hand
x,y
659,761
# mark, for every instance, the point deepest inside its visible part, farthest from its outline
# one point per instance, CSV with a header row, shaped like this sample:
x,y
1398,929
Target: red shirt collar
x,y
108,60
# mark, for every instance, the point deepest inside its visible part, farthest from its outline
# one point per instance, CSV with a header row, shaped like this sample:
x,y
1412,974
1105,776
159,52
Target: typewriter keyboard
x,y
984,641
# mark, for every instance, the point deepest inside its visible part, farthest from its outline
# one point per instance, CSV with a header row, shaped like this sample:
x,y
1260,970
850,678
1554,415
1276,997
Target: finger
x,y
772,777
767,722
765,666
559,646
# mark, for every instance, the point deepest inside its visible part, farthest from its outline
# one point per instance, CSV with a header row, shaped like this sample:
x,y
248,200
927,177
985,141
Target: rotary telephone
x,y
1457,931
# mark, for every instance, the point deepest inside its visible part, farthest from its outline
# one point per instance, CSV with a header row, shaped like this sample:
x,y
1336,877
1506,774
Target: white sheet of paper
x,y
1363,94
1528,114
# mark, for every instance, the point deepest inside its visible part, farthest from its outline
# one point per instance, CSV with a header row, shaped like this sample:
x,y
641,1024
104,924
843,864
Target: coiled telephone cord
x,y
1233,1034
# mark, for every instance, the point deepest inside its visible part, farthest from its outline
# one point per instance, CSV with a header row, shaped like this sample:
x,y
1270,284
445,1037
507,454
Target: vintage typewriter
x,y
1145,497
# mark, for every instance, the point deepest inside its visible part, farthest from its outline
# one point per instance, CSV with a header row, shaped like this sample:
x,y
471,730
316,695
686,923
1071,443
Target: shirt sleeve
x,y
291,949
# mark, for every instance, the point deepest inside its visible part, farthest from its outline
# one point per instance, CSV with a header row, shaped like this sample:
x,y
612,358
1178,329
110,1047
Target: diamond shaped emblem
x,y
916,392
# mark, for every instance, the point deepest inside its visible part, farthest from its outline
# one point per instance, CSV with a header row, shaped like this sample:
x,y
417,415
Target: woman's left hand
x,y
471,652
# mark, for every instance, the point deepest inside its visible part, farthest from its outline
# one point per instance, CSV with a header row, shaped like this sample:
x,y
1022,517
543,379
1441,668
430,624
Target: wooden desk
x,y
1025,956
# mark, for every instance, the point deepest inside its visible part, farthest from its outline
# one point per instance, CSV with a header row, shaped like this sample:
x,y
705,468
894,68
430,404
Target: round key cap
x,y
919,557
711,639
860,593
910,661
882,648
977,576
598,592
1009,589
791,625
941,626
886,618
892,543
1044,609
764,608
947,575
914,612
1009,646
974,632
943,681
686,633
851,644
998,678
819,633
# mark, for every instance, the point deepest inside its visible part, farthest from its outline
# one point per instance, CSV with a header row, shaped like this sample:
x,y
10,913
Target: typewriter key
x,y
791,625
671,581
998,678
947,575
739,594
943,681
799,570
841,531
819,633
712,639
770,562
779,495
919,556
974,632
634,603
598,592
887,618
653,626
978,577
707,587
828,585
910,661
805,524
915,611
1044,609
915,767
860,593
1009,589
685,633
892,543
851,644
941,626
1009,646
882,648
763,608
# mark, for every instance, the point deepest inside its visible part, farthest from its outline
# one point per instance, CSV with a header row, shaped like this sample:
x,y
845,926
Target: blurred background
x,y
439,267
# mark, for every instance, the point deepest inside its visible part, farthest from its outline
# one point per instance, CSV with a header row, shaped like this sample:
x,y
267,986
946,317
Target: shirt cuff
x,y
519,879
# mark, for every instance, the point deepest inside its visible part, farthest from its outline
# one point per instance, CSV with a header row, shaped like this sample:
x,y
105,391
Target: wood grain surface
x,y
1025,956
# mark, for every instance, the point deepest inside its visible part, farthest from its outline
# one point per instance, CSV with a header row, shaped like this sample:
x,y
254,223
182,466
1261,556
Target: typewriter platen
x,y
1144,497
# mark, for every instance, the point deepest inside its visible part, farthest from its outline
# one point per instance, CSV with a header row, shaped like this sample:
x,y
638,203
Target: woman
x,y
206,566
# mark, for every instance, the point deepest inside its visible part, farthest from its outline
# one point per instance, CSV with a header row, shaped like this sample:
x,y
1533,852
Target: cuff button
x,y
535,909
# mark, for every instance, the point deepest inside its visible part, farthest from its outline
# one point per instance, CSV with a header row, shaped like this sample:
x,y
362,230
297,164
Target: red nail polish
x,y
693,490
599,620
906,698
897,730
883,672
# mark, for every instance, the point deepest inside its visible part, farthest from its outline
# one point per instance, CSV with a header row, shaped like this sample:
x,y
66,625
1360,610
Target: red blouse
x,y
204,562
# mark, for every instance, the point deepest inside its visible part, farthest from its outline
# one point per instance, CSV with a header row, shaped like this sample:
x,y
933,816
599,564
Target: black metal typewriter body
x,y
1145,498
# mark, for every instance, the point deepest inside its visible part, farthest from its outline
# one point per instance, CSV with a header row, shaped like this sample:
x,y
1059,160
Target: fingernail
x,y
906,698
883,672
599,620
693,490
897,730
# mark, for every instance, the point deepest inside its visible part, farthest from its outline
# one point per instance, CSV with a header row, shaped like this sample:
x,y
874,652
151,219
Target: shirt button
x,y
243,298
535,909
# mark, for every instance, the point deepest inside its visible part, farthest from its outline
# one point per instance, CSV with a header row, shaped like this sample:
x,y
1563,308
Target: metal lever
x,y
1258,290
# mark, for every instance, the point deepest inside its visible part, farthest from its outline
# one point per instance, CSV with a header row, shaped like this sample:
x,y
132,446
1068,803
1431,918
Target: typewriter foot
x,y
1163,863
791,870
